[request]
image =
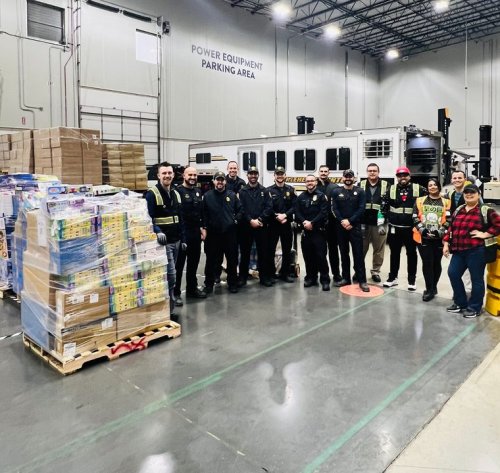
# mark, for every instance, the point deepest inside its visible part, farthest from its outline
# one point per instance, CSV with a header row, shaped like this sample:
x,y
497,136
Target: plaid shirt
x,y
464,222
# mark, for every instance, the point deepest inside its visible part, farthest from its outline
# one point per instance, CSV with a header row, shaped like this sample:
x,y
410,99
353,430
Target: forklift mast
x,y
444,122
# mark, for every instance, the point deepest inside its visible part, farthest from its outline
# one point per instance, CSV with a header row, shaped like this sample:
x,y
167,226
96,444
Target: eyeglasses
x,y
374,170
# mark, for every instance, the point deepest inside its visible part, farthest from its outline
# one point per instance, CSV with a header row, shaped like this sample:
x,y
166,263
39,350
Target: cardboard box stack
x,y
93,273
72,154
124,165
5,152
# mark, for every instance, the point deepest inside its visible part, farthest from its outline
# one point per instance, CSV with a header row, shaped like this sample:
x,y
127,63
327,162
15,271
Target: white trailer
x,y
419,150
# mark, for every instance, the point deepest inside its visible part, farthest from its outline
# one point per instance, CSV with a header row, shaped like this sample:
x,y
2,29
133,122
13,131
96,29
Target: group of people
x,y
335,220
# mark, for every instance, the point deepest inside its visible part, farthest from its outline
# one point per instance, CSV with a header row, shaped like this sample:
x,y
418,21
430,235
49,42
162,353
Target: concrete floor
x,y
277,379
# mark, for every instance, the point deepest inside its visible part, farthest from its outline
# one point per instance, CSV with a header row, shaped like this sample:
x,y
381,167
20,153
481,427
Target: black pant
x,y
402,237
314,251
333,249
355,238
216,246
259,235
431,252
192,255
284,233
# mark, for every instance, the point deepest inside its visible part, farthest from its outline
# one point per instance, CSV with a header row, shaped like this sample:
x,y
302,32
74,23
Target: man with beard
x,y
327,187
257,211
311,212
283,199
164,204
348,207
401,199
221,215
191,201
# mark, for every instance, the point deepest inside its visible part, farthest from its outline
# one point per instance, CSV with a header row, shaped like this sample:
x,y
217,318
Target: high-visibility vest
x,y
402,210
159,202
445,213
383,190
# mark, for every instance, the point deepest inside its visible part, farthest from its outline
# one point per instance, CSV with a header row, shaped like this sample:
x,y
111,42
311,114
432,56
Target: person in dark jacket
x,y
233,182
311,212
348,207
221,212
375,229
257,211
164,208
326,186
191,201
283,199
401,199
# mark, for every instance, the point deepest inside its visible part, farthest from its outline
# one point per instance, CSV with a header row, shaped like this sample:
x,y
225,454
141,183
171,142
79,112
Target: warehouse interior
x,y
281,379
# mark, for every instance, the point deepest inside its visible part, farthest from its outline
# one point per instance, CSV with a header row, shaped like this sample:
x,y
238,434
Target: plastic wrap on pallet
x,y
92,266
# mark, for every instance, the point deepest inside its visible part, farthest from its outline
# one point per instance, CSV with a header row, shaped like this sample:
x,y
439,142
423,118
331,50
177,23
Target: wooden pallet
x,y
111,352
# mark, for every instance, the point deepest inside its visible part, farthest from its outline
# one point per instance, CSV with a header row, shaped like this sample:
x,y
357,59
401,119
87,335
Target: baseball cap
x,y
219,175
252,169
348,172
471,188
279,169
402,170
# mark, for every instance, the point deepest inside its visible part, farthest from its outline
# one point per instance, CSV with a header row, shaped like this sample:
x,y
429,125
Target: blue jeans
x,y
473,260
172,252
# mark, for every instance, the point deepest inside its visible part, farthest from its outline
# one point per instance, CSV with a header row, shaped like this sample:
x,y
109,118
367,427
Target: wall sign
x,y
228,63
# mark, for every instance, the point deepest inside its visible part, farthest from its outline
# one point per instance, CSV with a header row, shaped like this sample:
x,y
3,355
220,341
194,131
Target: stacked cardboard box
x,y
5,148
72,154
93,273
21,156
124,165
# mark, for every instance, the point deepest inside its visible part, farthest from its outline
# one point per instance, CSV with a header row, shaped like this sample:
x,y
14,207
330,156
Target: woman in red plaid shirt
x,y
465,241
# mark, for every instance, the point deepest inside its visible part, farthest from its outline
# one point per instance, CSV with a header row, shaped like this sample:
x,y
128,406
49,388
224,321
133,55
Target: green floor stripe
x,y
393,395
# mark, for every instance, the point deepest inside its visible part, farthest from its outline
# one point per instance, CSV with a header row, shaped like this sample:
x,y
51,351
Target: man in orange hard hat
x,y
400,200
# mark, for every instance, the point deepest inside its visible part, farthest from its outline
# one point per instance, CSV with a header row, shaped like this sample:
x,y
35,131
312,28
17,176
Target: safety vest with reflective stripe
x,y
443,214
159,202
403,210
383,190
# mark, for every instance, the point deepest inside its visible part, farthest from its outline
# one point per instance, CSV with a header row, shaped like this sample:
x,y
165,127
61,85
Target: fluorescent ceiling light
x,y
441,5
392,54
332,31
281,11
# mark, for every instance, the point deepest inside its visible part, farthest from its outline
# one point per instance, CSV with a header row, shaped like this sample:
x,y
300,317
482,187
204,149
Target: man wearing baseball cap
x,y
283,199
401,198
257,211
221,211
348,207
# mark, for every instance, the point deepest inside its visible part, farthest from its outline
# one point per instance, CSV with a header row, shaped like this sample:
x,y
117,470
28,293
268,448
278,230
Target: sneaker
x,y
470,313
208,290
391,282
178,301
454,308
376,278
412,287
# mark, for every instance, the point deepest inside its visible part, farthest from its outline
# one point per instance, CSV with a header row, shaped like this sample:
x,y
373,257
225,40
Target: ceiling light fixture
x,y
281,11
441,5
332,32
392,54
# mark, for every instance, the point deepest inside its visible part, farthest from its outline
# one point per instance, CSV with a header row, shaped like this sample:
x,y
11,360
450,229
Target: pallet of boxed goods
x,y
114,350
94,276
124,165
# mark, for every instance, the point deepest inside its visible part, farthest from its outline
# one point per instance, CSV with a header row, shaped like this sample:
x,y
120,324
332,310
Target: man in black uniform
x,y
221,215
311,212
257,211
401,199
348,207
191,200
164,204
233,181
326,186
283,199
